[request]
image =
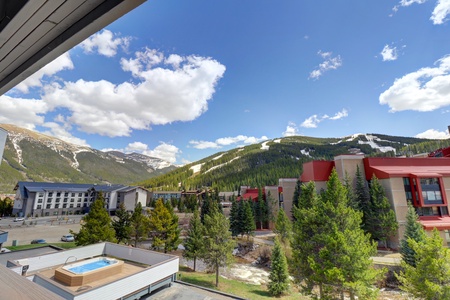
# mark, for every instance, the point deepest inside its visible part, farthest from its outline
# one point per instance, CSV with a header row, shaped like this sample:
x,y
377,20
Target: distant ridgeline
x,y
263,164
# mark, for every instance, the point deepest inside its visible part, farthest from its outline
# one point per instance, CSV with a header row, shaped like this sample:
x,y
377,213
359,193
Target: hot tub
x,y
86,271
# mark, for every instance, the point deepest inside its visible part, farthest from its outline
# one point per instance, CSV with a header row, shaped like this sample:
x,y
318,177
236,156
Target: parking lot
x,y
24,234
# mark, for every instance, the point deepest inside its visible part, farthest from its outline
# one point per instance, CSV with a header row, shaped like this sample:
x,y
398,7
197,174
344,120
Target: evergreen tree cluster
x,y
159,225
246,214
209,238
330,249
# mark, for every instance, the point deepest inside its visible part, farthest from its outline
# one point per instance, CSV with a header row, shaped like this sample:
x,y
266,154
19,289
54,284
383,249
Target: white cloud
x,y
291,130
389,53
314,120
440,12
25,113
311,122
162,96
163,151
329,63
339,115
426,89
434,134
204,145
226,141
62,133
105,43
136,147
63,62
409,2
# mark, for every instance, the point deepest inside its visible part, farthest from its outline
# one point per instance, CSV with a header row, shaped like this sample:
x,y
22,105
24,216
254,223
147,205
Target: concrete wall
x,y
288,185
346,165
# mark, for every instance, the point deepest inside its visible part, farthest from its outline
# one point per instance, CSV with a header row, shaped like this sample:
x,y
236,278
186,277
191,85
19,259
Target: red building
x,y
425,182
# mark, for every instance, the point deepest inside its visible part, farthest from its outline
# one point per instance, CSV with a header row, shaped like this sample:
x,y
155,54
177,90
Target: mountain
x,y
34,156
263,164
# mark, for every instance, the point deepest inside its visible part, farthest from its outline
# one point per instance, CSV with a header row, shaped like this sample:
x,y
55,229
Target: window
x,y
41,194
49,205
431,191
71,205
66,194
57,200
50,194
39,201
65,199
73,194
80,194
65,205
78,204
50,199
57,205
58,194
72,200
39,207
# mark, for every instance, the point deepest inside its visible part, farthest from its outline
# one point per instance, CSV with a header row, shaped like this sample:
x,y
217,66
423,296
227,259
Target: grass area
x,y
238,288
67,245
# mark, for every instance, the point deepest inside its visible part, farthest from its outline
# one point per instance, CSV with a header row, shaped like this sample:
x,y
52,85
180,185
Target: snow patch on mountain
x,y
196,168
305,152
221,165
217,157
264,146
371,142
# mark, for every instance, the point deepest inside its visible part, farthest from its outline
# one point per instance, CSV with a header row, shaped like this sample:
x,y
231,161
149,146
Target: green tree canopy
x,y
430,278
164,228
218,243
413,231
122,224
283,227
338,255
97,225
193,244
139,225
279,274
381,221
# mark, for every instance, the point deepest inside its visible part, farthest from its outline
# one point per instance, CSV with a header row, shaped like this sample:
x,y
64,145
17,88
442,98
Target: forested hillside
x,y
263,164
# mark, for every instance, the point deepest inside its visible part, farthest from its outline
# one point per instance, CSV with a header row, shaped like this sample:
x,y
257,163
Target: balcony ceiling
x,y
35,32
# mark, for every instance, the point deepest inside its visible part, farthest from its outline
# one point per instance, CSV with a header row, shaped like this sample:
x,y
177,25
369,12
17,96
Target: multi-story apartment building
x,y
424,182
55,199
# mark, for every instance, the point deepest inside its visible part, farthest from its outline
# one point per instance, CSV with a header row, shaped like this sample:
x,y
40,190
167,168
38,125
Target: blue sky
x,y
182,80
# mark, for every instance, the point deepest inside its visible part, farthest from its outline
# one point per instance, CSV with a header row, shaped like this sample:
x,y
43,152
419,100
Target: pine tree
x,y
139,225
97,225
122,224
262,209
218,244
279,275
234,218
430,278
193,244
351,197
249,220
381,221
283,228
413,231
164,227
241,216
206,207
307,195
363,198
338,255
295,198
